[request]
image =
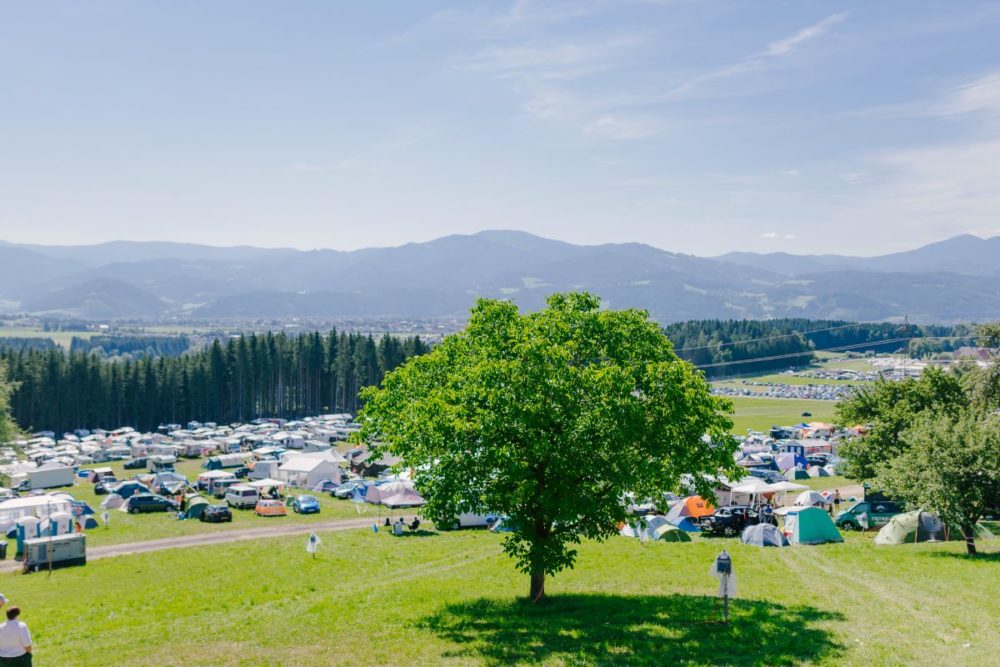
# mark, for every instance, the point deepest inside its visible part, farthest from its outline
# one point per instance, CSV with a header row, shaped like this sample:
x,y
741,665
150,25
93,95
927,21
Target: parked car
x,y
270,508
305,504
867,515
103,488
242,473
819,459
346,490
136,464
242,496
216,514
729,521
148,502
769,476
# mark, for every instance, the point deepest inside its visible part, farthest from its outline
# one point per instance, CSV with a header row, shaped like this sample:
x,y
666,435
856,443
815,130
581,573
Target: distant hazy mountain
x,y
948,281
966,254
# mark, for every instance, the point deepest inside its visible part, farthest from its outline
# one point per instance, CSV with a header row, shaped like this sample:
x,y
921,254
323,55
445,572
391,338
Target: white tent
x,y
267,483
112,501
810,499
376,492
308,471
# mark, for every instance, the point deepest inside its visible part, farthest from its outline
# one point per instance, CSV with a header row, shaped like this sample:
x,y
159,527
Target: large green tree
x,y
890,408
550,418
949,467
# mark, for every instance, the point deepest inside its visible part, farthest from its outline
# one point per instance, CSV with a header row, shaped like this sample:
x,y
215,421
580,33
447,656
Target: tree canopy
x,y
8,429
550,418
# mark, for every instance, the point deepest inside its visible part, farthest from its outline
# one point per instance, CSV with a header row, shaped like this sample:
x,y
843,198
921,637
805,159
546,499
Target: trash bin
x,y
3,550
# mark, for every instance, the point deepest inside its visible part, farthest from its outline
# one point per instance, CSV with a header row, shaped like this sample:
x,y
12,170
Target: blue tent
x,y
685,523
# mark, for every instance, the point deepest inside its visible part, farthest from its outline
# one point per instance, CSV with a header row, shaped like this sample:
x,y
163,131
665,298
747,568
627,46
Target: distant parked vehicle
x,y
729,521
136,464
305,504
242,496
216,514
270,508
148,502
867,515
242,473
346,490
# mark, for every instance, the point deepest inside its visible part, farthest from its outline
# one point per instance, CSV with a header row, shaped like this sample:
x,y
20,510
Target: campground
x,y
452,598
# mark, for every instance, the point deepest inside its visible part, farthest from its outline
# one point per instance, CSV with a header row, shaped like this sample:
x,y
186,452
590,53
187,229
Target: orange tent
x,y
695,507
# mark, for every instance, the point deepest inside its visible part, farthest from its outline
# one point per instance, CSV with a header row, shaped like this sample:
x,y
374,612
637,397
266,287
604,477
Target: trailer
x,y
50,477
43,553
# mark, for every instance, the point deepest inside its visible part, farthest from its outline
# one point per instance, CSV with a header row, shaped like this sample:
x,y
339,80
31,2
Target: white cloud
x,y
618,127
783,46
769,235
761,59
791,172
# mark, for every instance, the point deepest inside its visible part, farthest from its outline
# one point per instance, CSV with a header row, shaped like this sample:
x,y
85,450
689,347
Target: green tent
x,y
670,533
194,505
921,526
811,525
793,474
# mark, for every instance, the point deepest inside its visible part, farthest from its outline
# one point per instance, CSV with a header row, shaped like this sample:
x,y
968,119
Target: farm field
x,y
62,338
762,413
451,599
125,527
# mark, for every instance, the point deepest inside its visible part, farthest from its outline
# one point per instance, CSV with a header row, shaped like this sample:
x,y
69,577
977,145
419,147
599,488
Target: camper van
x,y
157,464
242,496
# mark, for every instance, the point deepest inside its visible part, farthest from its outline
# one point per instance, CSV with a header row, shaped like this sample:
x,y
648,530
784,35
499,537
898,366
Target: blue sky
x,y
699,127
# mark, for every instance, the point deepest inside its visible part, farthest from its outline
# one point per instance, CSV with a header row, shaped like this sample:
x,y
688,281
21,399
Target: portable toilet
x,y
60,523
28,528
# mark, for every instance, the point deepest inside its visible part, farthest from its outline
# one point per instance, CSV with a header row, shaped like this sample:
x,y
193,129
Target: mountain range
x,y
954,280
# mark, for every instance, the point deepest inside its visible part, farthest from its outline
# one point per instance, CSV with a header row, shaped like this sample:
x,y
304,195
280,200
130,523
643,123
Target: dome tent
x,y
810,525
920,526
763,535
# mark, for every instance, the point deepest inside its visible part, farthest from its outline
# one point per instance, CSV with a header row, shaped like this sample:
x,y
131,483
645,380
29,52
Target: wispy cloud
x,y
937,186
761,59
773,236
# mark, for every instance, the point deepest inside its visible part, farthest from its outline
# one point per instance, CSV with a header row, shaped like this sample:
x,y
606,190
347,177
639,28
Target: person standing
x,y
15,641
836,499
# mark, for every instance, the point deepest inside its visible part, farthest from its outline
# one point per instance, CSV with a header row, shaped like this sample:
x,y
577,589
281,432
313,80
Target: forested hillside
x,y
780,343
245,378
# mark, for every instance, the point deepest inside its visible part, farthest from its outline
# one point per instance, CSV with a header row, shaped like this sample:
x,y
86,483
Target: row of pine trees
x,y
246,377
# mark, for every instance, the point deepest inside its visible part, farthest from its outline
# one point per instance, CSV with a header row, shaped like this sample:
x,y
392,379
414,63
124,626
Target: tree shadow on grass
x,y
981,557
420,532
619,629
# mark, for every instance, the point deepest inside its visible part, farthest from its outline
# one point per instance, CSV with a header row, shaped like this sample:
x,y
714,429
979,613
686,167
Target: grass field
x,y
63,338
451,599
126,527
762,413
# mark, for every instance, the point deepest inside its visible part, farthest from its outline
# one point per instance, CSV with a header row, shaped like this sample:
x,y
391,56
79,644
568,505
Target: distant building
x,y
984,354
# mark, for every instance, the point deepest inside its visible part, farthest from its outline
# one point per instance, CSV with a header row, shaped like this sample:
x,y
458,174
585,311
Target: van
x,y
867,515
242,496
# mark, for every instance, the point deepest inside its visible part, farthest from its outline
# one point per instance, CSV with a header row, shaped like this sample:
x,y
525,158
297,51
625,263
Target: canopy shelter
x,y
810,525
763,535
405,498
268,486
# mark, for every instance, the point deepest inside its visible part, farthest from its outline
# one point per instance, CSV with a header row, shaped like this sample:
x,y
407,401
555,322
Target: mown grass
x,y
761,414
126,527
453,599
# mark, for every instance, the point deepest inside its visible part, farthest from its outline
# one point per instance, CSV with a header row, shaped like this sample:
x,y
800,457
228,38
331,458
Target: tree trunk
x,y
970,540
537,587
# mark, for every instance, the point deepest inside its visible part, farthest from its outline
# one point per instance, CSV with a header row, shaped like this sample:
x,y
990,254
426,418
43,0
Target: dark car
x,y
136,464
148,502
103,488
216,514
241,473
729,521
819,459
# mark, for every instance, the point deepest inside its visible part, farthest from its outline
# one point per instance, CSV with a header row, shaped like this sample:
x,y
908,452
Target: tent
x,y
194,505
685,523
668,532
692,506
818,471
763,535
795,473
810,525
112,501
405,498
810,499
789,460
920,526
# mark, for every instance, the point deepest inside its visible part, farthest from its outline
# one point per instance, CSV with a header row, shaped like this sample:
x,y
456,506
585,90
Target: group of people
x,y
15,639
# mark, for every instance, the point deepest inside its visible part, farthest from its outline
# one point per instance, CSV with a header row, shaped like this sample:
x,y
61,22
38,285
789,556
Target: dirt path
x,y
221,537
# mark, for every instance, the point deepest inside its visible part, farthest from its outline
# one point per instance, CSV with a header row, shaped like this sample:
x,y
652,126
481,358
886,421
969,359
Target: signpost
x,y
722,569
